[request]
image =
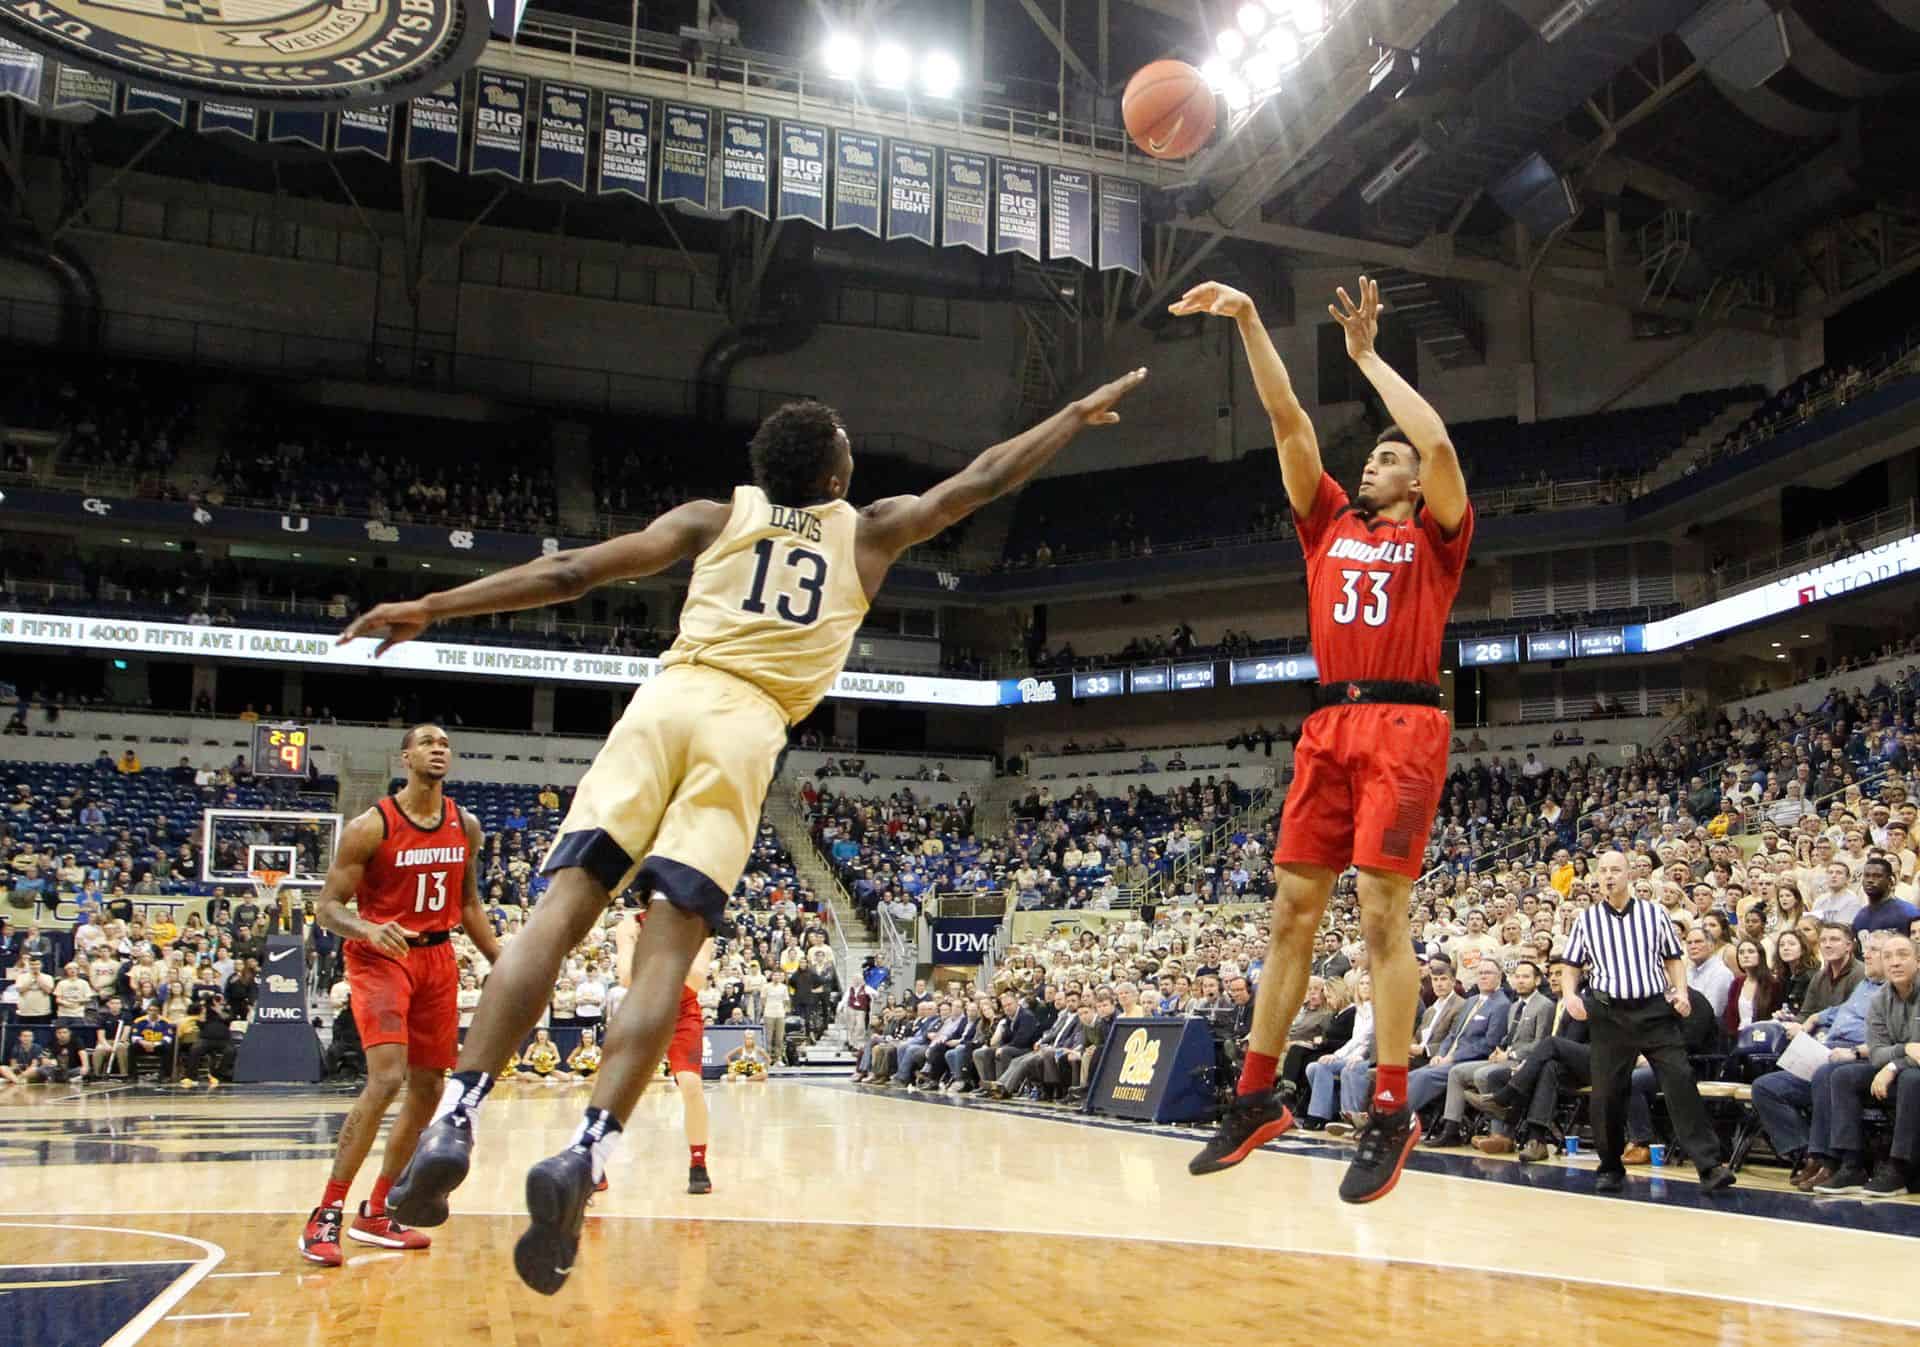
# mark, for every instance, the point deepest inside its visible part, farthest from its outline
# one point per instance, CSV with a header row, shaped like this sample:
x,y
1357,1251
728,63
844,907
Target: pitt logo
x,y
262,53
1352,549
1142,1056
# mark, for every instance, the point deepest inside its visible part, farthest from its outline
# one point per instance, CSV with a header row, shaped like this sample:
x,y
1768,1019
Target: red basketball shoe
x,y
320,1241
384,1231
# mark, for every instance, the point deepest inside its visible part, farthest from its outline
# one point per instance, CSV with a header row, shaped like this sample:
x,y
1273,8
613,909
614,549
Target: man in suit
x,y
948,1022
1330,962
1065,1032
1437,1024
1481,1028
877,1062
1529,1022
1020,1031
1562,1060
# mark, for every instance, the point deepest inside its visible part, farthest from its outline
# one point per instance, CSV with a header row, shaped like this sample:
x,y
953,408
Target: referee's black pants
x,y
1622,1032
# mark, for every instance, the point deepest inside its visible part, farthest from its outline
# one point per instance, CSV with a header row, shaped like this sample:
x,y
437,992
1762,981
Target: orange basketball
x,y
1168,109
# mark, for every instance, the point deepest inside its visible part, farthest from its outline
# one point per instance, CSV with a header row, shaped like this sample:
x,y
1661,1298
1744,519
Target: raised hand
x,y
1096,408
395,622
1211,297
1361,321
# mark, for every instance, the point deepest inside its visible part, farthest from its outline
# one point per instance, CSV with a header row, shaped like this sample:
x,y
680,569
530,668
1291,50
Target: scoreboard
x,y
281,750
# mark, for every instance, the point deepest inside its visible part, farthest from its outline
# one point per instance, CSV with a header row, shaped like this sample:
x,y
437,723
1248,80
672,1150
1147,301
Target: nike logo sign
x,y
283,954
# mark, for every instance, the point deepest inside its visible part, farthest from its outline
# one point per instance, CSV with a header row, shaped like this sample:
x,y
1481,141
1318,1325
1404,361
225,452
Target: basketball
x,y
1168,109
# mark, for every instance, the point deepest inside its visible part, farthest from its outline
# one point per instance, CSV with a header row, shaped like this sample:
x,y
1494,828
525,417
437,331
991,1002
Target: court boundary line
x,y
156,1309
1184,1241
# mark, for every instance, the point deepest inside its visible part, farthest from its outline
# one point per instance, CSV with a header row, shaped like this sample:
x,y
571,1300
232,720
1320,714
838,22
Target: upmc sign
x,y
963,940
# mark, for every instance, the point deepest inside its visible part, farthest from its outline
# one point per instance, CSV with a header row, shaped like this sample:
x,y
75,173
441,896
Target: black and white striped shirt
x,y
1624,953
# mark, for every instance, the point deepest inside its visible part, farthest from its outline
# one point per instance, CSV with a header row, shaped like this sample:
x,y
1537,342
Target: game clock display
x,y
280,750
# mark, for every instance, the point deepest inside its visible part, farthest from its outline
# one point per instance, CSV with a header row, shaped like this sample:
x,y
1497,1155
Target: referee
x,y
1635,1002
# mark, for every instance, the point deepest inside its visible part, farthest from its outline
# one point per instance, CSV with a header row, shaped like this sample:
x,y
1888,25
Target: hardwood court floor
x,y
848,1217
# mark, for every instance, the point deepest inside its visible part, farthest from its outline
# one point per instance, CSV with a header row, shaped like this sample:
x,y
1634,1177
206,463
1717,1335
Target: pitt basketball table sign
x,y
261,53
1155,1070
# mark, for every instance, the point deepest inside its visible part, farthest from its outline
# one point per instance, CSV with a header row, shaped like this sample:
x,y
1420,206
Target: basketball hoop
x,y
266,887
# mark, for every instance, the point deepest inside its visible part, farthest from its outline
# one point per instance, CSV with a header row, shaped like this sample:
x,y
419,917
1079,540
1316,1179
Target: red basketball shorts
x,y
689,1036
1366,784
410,1000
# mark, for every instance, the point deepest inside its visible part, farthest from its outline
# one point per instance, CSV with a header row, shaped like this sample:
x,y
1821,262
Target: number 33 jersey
x,y
776,599
416,876
1378,592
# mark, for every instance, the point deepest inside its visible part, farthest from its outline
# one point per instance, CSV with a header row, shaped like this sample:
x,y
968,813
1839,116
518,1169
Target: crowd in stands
x,y
1817,391
1080,850
390,472
127,418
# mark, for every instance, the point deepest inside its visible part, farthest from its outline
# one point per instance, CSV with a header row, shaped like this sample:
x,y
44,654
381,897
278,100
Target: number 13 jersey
x,y
776,599
1378,592
416,876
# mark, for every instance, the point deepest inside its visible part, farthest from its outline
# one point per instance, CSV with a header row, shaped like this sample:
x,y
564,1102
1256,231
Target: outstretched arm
x,y
684,531
1442,484
1293,437
889,527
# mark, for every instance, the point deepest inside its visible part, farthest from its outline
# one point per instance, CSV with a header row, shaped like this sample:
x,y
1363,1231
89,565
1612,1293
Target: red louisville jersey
x,y
1378,592
418,875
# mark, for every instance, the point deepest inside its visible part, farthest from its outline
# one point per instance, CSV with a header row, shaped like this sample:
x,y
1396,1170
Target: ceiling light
x,y
1217,71
426,565
126,540
1236,92
1230,43
1776,645
296,556
353,558
1309,16
892,65
842,56
1806,636
1253,19
1281,42
1779,656
1263,72
939,74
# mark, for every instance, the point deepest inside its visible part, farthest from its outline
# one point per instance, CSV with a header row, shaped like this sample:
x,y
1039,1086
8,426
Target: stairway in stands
x,y
835,1050
1674,466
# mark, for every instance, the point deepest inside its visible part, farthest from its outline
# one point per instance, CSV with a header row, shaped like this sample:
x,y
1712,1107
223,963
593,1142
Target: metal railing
x,y
1811,407
730,74
1818,549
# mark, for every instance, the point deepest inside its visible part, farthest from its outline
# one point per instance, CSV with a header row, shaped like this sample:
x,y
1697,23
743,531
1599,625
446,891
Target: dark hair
x,y
1394,435
793,450
406,740
1518,964
1882,862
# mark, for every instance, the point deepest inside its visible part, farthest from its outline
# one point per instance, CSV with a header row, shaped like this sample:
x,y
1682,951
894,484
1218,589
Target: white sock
x,y
455,1095
597,1136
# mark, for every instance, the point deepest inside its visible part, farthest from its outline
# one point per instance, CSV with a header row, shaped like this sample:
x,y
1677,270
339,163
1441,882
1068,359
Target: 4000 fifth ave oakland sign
x,y
262,53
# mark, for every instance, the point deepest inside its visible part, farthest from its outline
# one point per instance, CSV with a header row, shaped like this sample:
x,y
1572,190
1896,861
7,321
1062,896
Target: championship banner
x,y
743,163
228,119
1119,225
364,130
1016,207
301,128
803,173
21,72
910,191
626,146
499,126
964,941
686,148
560,149
77,88
963,209
1155,1070
279,1044
433,128
140,101
1069,216
856,182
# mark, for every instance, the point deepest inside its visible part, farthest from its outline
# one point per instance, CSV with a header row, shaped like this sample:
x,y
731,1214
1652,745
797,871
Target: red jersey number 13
x,y
430,902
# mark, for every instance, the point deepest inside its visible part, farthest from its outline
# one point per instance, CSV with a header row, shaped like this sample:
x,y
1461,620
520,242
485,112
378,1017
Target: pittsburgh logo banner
x,y
1016,207
856,182
743,163
301,127
1069,216
963,212
626,146
910,191
364,131
560,151
686,150
499,126
1119,225
803,172
433,127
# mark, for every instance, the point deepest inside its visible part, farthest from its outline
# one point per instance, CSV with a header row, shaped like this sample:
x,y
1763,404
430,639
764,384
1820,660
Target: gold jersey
x,y
777,599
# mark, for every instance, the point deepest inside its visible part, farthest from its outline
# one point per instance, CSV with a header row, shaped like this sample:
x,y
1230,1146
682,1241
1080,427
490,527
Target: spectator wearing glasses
x,y
1888,1077
1528,1022
1477,1031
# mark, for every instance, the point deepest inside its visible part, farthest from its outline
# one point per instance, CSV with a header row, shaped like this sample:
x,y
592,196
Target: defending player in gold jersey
x,y
782,576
